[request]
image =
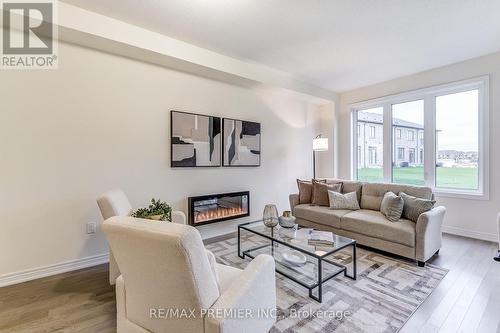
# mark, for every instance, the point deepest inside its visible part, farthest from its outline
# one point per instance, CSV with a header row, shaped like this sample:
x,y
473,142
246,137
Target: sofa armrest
x,y
294,201
428,233
178,217
250,300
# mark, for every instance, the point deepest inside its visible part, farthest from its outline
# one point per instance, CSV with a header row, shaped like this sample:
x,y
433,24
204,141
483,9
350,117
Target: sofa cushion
x,y
305,190
414,206
373,193
348,186
392,206
319,214
320,192
374,224
343,201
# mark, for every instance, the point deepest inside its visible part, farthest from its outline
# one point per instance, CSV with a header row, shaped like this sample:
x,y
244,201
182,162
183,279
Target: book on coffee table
x,y
317,237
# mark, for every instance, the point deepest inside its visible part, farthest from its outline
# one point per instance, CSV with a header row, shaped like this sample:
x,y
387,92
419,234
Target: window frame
x,y
429,95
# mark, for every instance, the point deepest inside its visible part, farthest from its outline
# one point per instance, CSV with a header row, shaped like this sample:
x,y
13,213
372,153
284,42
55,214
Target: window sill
x,y
442,193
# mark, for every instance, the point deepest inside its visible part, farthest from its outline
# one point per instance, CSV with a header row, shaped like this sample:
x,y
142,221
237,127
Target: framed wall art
x,y
195,140
241,143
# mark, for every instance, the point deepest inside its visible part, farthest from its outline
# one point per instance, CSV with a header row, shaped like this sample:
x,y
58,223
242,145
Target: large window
x,y
457,140
436,137
370,139
406,168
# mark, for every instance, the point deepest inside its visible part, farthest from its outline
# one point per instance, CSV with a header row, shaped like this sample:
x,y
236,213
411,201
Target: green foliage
x,y
156,207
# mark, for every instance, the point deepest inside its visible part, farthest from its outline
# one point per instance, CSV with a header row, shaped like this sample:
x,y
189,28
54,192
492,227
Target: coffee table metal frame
x,y
320,258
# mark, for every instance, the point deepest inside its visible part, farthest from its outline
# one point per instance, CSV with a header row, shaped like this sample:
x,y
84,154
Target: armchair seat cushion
x,y
226,276
319,214
375,224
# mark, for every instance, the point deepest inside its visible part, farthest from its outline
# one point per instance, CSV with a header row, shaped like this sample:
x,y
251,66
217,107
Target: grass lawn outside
x,y
458,178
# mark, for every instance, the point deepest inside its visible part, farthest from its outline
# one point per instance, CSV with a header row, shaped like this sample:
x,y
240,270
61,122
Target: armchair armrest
x,y
178,217
294,201
428,233
213,263
252,301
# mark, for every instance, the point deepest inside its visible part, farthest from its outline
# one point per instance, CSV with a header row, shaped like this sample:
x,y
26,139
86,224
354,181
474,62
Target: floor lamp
x,y
319,144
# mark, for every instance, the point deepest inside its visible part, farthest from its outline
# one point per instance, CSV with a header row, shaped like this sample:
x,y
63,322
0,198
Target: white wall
x,y
473,218
323,120
102,121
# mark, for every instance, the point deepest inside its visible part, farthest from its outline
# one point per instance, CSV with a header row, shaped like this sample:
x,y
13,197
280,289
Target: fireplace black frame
x,y
192,200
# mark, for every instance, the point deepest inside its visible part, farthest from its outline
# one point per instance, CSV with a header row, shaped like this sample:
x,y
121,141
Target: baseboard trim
x,y
220,238
49,270
470,233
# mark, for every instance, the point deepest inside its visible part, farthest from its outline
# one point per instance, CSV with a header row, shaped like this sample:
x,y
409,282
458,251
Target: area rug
x,y
384,296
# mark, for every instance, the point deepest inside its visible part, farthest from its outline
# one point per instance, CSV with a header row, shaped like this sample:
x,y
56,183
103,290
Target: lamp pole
x,y
319,144
314,164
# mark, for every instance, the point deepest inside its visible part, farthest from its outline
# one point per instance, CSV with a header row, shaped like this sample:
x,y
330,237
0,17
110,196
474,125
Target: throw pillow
x,y
414,206
392,206
305,190
343,201
320,192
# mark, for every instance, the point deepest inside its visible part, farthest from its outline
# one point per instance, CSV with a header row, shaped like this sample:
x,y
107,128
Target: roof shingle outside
x,y
377,119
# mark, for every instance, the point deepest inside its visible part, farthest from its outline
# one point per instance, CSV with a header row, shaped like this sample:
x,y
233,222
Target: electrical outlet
x,y
91,227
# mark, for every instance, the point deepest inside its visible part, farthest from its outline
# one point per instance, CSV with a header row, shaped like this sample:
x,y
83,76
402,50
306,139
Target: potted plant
x,y
157,210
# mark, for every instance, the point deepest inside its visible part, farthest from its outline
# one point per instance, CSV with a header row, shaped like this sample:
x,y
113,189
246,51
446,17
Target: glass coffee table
x,y
281,243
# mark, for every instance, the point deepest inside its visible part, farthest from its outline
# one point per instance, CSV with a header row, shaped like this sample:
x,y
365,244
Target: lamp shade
x,y
320,144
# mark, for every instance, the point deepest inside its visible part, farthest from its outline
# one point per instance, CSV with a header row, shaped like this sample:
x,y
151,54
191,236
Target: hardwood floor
x,y
467,300
79,301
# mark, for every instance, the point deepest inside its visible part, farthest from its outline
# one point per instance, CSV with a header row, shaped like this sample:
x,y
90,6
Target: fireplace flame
x,y
217,213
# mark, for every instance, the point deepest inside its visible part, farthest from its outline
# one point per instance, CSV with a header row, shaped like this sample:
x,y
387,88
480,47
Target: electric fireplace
x,y
212,208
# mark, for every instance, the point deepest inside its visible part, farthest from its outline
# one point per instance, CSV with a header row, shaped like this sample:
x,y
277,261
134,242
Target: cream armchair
x,y
116,203
170,283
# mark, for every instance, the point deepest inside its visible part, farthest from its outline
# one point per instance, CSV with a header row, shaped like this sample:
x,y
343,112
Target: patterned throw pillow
x,y
392,206
320,192
343,201
414,206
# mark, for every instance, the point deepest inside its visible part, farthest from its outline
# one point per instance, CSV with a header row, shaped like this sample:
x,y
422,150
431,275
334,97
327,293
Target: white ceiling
x,y
334,44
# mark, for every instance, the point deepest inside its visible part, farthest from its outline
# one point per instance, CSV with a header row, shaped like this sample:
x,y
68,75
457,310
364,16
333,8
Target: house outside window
x,y
401,154
398,133
372,132
411,135
372,153
411,155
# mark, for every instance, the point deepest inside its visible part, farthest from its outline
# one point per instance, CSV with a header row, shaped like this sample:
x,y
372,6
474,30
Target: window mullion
x,y
354,148
430,141
387,143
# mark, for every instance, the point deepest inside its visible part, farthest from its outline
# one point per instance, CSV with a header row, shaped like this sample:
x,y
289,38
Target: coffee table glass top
x,y
297,238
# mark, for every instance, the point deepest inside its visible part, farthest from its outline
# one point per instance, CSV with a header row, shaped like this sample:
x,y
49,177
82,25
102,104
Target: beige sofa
x,y
369,227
